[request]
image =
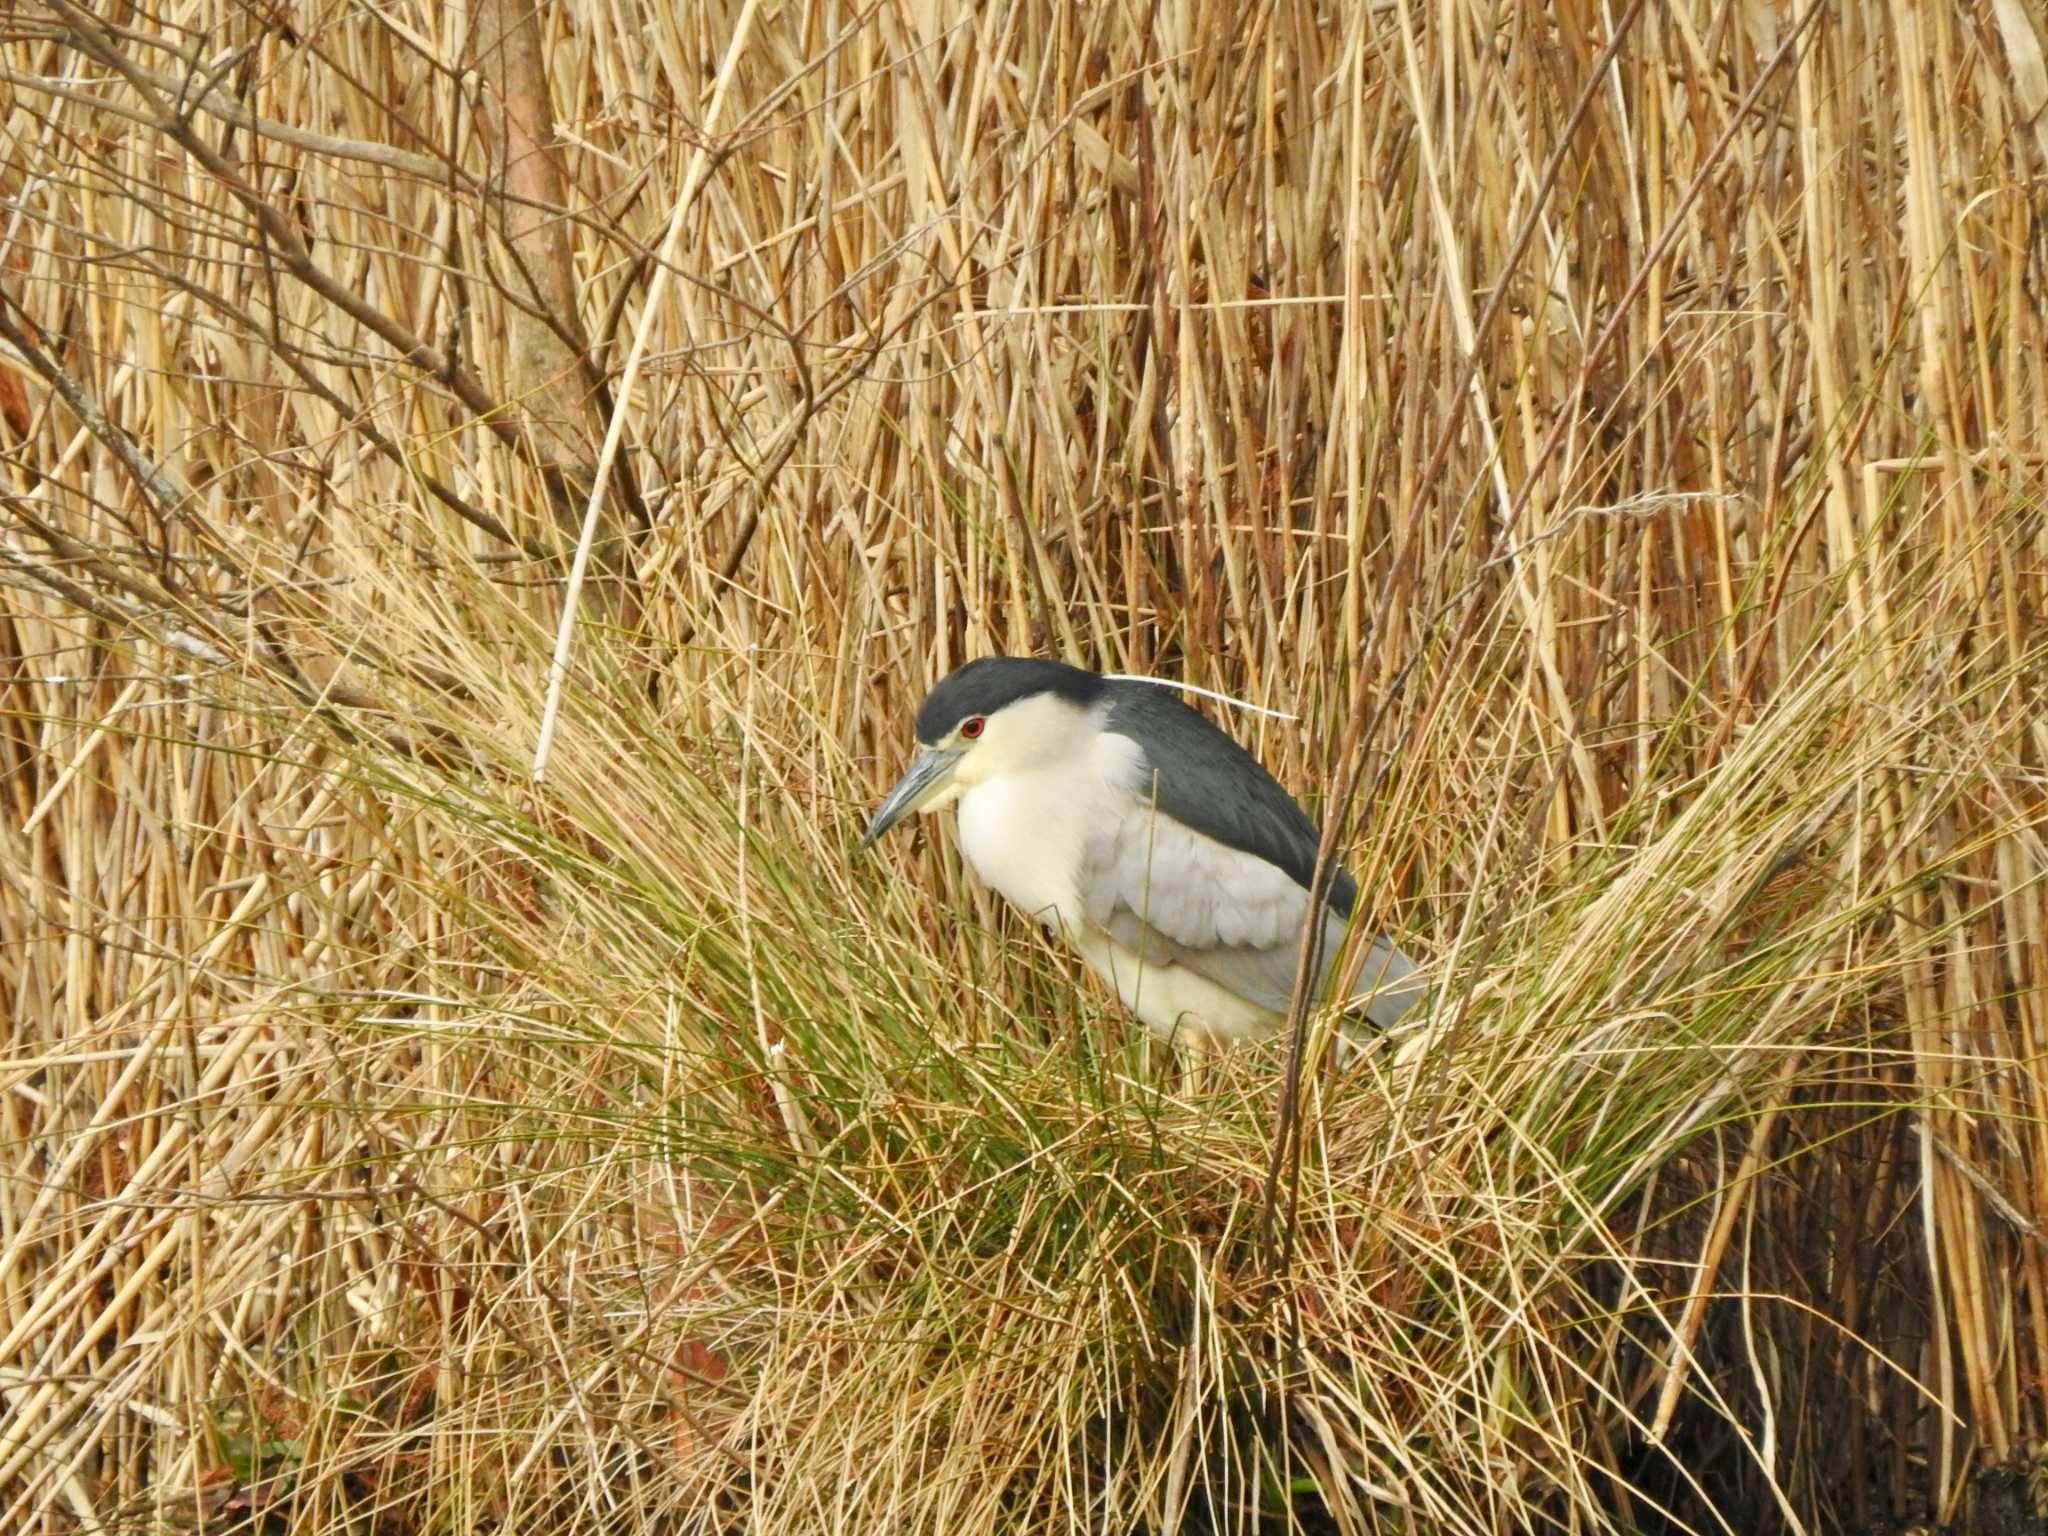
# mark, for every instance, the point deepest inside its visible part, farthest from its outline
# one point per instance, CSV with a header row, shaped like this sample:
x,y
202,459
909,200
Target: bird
x,y
1141,834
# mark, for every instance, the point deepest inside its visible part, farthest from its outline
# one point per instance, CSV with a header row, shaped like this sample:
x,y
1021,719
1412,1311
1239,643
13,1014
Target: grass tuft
x,y
1628,477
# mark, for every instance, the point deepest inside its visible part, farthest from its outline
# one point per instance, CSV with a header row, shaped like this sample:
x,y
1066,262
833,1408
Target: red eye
x,y
971,728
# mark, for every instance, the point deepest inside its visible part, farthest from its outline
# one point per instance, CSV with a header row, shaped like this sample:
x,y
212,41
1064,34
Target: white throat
x,y
1025,803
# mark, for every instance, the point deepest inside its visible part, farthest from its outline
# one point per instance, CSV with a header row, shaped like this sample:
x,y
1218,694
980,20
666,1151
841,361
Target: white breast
x,y
1020,834
1024,826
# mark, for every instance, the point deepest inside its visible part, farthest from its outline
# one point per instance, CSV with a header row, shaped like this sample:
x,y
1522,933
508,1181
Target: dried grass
x,y
1631,476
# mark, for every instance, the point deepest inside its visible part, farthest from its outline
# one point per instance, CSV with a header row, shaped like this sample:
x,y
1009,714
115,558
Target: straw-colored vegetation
x,y
1627,463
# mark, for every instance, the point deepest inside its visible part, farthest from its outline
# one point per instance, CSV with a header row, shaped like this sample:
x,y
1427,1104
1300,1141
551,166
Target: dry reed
x,y
1629,470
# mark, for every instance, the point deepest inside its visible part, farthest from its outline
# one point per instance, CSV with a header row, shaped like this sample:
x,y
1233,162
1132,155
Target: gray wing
x,y
1173,896
1210,783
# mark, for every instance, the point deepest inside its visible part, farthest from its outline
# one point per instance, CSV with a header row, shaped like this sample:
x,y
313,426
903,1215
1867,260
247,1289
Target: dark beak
x,y
927,774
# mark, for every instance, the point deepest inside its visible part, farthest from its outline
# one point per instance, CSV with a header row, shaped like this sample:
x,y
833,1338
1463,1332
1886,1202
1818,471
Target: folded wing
x,y
1173,896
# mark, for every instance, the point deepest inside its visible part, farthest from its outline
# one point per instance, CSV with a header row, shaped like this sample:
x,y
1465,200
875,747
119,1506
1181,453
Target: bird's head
x,y
1002,714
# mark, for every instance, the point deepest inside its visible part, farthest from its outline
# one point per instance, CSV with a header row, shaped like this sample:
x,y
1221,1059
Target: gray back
x,y
1208,782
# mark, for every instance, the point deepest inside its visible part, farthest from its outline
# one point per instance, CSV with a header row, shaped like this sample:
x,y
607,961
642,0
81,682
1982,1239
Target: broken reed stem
x,y
1733,1201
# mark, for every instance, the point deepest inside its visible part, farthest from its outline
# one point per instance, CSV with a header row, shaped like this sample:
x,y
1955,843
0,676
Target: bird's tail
x,y
1388,984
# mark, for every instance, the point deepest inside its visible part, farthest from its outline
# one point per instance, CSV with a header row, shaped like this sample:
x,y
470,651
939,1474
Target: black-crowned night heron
x,y
1116,816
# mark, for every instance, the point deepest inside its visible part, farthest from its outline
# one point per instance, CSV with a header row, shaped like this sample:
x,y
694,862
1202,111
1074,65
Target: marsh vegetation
x,y
1616,433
